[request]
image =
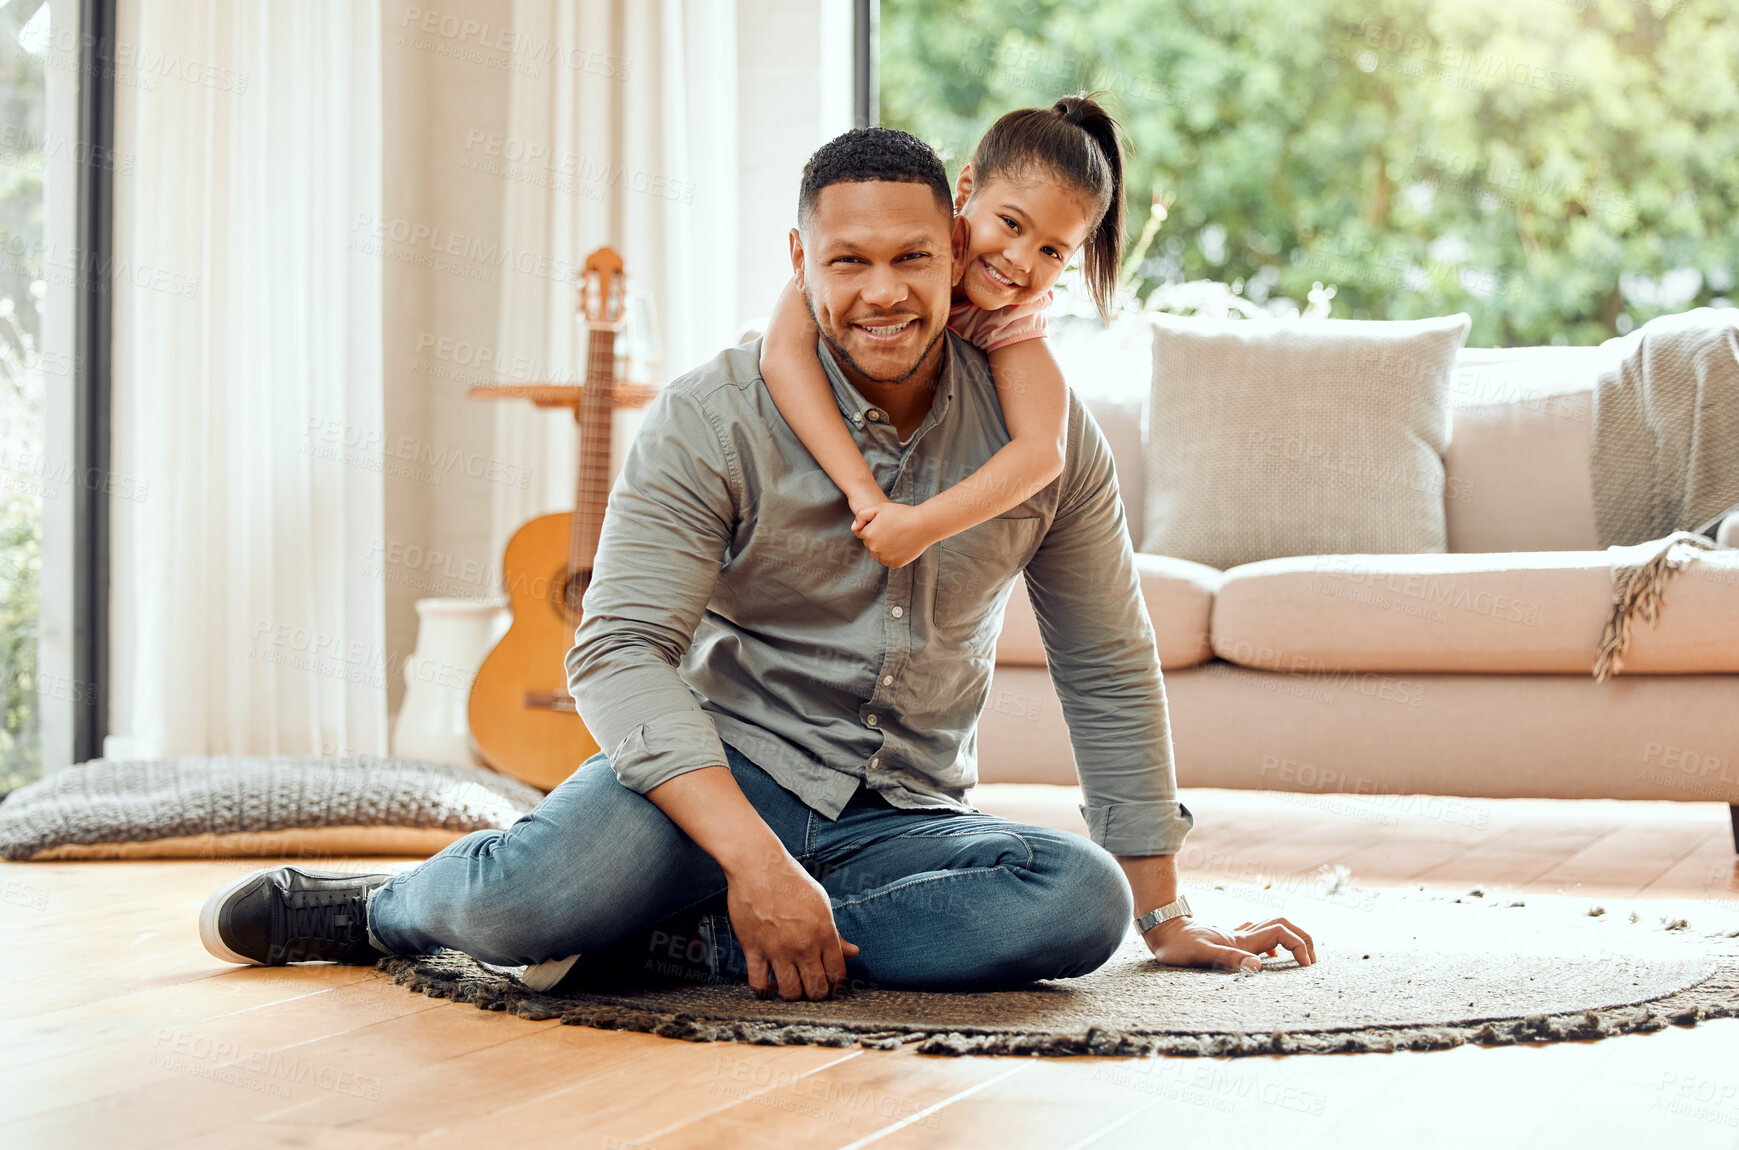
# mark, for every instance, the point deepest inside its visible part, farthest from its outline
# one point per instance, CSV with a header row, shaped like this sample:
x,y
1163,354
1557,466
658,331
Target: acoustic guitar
x,y
523,720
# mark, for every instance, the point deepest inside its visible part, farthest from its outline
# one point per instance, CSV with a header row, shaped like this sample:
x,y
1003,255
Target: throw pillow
x,y
1297,437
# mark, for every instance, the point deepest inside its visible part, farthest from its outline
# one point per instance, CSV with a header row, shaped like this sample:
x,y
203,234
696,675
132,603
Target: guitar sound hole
x,y
569,588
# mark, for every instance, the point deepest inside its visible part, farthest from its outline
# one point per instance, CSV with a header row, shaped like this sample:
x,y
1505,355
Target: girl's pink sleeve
x,y
991,330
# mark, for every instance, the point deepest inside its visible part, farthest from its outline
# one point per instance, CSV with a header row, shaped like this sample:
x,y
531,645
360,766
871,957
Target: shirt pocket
x,y
973,569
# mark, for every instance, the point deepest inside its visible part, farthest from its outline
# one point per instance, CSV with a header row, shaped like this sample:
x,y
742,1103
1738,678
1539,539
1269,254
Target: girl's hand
x,y
894,533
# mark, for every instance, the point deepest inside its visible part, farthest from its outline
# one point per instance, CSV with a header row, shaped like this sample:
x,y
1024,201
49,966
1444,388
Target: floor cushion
x,y
254,806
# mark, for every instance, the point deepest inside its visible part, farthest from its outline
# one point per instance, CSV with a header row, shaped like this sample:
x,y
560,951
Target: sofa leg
x,y
1733,810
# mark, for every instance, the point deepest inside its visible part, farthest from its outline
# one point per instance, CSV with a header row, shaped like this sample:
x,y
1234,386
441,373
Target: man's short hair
x,y
863,155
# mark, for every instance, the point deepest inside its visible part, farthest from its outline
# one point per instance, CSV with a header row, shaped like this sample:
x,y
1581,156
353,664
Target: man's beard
x,y
844,356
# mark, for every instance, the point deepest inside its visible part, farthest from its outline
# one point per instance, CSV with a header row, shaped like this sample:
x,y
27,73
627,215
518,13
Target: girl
x,y
1042,183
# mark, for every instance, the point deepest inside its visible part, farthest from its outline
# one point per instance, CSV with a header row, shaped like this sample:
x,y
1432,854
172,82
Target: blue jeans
x,y
936,899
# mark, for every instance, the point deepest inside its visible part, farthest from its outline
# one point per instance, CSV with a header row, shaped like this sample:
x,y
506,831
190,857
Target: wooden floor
x,y
118,1030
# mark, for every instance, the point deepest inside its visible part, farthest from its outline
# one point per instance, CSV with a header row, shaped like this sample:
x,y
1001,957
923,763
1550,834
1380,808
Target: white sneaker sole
x,y
208,933
545,975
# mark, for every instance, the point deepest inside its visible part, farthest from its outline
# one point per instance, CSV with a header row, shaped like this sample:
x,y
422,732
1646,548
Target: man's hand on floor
x,y
780,915
1185,942
784,921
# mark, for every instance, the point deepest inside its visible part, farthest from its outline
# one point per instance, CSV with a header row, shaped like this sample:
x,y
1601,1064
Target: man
x,y
790,725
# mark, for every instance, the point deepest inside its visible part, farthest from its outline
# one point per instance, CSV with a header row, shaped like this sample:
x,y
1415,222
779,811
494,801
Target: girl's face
x,y
1017,237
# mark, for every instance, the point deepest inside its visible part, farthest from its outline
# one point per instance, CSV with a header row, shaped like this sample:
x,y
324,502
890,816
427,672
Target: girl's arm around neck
x,y
799,386
1035,405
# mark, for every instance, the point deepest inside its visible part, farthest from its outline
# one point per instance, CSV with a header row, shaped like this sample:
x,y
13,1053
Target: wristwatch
x,y
1165,913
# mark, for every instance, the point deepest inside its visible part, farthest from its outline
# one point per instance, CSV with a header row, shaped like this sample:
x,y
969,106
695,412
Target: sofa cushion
x,y
1538,612
1120,420
1517,463
1179,597
1516,472
1401,742
1517,476
1297,437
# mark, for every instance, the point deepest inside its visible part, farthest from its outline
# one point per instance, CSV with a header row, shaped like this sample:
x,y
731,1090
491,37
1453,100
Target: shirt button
x,y
873,415
874,763
870,719
887,680
898,611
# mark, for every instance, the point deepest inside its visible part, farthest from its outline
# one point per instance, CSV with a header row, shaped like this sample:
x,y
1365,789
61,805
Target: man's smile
x,y
888,331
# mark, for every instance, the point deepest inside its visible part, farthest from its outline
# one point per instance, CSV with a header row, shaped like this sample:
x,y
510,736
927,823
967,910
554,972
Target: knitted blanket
x,y
1665,455
1639,582
107,801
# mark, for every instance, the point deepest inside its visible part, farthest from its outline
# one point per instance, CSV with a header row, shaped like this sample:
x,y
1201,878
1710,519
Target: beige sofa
x,y
1466,673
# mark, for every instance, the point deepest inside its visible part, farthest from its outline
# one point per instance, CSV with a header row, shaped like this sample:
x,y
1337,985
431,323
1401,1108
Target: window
x,y
1563,170
26,480
53,157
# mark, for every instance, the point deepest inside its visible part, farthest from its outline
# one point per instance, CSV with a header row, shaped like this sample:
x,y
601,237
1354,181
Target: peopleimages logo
x,y
460,253
18,143
67,267
1306,669
1347,470
1455,66
1308,777
337,441
1690,762
1690,772
525,47
263,1071
139,65
531,161
35,474
1432,590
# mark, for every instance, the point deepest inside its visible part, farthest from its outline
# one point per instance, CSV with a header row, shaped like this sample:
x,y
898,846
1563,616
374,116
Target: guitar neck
x,y
592,485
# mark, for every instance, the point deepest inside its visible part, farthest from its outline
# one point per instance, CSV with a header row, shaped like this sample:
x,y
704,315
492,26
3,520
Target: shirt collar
x,y
857,409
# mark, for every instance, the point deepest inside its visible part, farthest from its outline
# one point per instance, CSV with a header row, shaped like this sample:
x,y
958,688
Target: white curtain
x,y
246,586
637,120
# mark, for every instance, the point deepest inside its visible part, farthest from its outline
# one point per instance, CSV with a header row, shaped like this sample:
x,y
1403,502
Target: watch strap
x,y
1169,911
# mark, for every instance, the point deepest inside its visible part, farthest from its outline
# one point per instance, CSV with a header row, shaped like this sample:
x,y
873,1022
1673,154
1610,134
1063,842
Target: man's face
x,y
877,273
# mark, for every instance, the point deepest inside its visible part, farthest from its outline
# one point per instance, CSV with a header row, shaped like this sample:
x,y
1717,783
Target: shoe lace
x,y
336,918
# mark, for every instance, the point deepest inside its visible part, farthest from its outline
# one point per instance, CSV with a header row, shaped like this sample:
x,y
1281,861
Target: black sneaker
x,y
291,914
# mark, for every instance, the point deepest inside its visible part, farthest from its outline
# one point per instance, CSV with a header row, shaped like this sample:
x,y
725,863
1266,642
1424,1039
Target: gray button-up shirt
x,y
729,599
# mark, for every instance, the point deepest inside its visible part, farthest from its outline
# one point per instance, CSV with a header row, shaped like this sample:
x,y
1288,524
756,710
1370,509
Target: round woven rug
x,y
1395,970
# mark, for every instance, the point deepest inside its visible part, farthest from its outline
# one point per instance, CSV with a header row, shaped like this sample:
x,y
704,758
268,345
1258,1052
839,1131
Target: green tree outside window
x,y
1563,170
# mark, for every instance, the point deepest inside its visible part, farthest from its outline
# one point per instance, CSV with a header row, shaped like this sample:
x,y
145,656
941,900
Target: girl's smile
x,y
1020,236
996,278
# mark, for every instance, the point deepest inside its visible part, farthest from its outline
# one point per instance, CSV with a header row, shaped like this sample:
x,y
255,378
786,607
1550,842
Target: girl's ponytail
x,y
1104,255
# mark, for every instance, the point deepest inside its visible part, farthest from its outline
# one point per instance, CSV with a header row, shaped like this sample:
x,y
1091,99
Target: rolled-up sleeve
x,y
1099,644
670,520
